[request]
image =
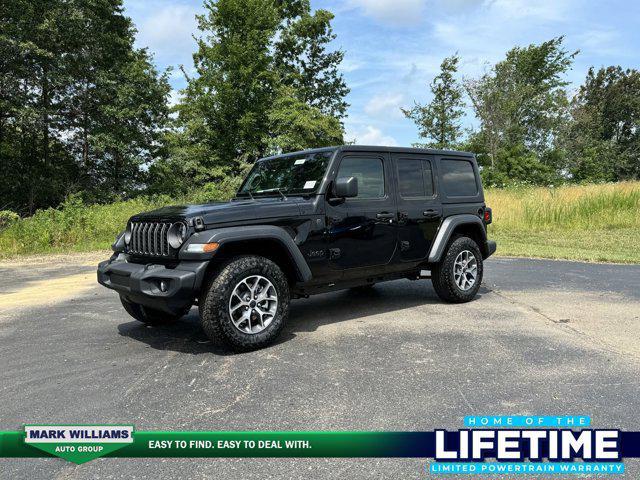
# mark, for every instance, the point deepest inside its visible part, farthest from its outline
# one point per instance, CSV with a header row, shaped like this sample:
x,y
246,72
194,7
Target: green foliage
x,y
225,106
80,108
250,52
518,166
294,125
73,225
439,121
81,227
303,62
522,107
597,222
7,217
603,139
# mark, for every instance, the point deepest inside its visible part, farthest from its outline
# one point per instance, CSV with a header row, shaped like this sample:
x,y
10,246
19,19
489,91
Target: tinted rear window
x,y
458,178
415,178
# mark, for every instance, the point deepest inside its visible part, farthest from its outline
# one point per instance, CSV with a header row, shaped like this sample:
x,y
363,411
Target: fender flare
x,y
446,230
228,235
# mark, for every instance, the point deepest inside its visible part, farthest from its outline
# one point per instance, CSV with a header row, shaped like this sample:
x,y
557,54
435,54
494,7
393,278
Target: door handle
x,y
431,213
385,215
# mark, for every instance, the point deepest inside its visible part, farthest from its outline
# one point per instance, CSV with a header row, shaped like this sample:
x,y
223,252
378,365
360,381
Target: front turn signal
x,y
202,247
210,247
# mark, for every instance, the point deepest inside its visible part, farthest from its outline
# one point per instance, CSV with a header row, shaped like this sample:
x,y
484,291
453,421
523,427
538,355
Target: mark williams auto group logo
x,y
78,443
511,440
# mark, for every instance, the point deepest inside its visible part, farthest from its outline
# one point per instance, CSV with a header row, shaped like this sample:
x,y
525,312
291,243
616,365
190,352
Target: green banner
x,y
83,443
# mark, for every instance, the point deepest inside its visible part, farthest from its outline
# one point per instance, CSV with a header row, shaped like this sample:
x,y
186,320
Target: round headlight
x,y
177,234
127,234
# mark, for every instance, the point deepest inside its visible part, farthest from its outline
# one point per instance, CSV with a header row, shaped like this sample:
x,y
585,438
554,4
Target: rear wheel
x,y
458,276
246,304
150,316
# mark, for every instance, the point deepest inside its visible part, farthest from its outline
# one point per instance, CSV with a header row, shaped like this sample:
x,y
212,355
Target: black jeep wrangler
x,y
305,223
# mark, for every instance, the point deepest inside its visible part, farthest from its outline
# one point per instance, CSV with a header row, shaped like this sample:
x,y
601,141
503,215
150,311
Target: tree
x,y
521,102
79,107
295,125
31,39
127,130
250,52
439,121
603,139
303,62
117,105
225,105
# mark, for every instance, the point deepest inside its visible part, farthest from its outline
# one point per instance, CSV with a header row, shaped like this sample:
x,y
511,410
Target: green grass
x,y
74,227
591,222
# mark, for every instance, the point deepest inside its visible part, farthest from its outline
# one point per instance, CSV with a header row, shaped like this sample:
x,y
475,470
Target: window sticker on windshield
x,y
300,162
309,184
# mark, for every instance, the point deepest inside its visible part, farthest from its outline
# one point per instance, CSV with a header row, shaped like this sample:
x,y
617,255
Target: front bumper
x,y
140,283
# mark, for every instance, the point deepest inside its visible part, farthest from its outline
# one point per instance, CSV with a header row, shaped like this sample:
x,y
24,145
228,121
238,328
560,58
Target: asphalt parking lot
x,y
543,337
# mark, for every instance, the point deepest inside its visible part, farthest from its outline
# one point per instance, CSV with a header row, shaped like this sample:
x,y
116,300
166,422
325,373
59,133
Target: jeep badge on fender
x,y
305,223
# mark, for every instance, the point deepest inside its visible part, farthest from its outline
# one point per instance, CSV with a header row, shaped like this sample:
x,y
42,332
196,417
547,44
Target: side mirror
x,y
346,187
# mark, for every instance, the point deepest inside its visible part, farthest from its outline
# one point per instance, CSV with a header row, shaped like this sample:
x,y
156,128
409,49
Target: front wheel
x,y
246,304
458,276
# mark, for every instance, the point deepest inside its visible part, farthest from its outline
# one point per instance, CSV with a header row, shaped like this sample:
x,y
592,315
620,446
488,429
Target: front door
x,y
419,209
362,231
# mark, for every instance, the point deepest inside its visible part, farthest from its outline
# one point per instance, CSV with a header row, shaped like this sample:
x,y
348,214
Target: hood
x,y
224,212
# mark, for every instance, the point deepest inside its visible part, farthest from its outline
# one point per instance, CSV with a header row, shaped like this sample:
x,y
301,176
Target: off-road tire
x,y
442,274
150,316
214,302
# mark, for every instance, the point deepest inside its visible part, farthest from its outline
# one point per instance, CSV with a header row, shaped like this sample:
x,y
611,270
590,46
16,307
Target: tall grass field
x,y
598,223
590,222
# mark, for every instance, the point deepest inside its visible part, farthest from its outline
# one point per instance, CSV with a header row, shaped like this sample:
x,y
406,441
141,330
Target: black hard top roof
x,y
374,148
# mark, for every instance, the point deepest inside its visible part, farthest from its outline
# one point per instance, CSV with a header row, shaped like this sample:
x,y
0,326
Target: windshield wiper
x,y
278,190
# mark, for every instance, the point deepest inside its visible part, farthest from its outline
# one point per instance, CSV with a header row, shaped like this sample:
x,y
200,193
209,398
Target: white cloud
x,y
392,11
371,136
601,42
168,32
549,10
385,105
349,65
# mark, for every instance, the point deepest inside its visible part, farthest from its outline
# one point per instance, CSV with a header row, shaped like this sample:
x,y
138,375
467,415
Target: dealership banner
x,y
486,445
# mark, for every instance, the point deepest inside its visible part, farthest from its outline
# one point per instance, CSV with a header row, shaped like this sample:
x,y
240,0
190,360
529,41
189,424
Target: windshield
x,y
291,174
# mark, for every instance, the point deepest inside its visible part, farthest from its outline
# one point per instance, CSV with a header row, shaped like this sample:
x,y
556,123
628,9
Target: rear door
x,y
419,208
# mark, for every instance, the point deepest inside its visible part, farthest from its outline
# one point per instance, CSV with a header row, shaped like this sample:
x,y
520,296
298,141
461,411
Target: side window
x,y
458,178
414,178
410,183
370,174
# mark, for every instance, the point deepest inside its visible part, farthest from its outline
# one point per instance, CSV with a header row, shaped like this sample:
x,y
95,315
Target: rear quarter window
x,y
458,178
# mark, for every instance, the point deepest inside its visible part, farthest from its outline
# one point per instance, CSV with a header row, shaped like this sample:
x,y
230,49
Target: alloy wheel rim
x,y
253,304
465,270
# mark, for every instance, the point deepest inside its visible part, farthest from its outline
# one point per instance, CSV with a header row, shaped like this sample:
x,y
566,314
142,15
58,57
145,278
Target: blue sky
x,y
394,47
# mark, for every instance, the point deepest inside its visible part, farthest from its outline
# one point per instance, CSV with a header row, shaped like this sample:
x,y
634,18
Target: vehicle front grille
x,y
149,238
